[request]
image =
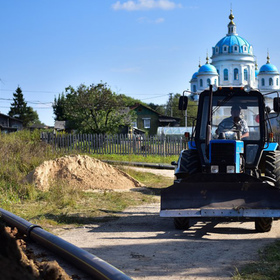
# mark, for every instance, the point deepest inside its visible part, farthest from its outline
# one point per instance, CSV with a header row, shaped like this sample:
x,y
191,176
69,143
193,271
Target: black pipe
x,y
94,266
141,164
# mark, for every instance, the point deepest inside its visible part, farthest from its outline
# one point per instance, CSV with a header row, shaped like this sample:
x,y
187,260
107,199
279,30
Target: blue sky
x,y
145,49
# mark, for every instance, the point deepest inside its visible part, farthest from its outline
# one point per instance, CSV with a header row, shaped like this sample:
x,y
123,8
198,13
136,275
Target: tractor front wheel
x,y
182,223
263,224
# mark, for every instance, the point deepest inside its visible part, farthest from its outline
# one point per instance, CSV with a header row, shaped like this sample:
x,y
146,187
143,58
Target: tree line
x,y
96,109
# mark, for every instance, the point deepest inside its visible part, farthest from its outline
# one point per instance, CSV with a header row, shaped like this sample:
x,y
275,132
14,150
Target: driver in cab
x,y
234,122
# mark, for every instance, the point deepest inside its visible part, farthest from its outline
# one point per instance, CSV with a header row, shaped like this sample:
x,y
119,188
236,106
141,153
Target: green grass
x,y
138,158
266,268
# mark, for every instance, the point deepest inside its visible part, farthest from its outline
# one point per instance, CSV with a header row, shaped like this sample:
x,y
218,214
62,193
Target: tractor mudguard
x,y
218,195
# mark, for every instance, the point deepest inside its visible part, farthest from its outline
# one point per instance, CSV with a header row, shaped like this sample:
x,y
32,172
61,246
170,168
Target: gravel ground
x,y
146,246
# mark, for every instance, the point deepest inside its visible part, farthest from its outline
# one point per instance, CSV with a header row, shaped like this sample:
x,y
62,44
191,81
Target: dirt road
x,y
145,246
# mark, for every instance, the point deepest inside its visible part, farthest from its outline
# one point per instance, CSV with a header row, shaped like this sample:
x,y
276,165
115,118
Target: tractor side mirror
x,y
276,104
183,103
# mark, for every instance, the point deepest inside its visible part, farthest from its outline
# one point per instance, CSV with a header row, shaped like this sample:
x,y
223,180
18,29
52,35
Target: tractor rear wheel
x,y
263,224
182,223
272,167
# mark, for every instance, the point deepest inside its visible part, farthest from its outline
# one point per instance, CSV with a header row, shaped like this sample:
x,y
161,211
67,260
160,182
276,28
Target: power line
x,y
41,91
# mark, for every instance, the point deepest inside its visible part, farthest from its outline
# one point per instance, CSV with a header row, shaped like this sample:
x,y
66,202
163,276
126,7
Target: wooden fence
x,y
116,144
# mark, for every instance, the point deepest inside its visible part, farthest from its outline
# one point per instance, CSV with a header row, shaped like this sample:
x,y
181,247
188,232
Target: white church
x,y
234,64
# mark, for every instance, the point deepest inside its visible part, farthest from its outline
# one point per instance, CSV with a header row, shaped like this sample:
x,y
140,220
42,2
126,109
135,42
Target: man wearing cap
x,y
234,121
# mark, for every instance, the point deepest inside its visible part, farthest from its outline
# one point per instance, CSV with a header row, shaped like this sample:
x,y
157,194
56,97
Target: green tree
x,y
191,112
21,111
173,110
59,107
158,108
95,109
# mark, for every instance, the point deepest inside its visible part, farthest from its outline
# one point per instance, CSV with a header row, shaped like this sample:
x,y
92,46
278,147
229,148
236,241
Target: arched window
x,y
194,88
215,81
201,82
263,83
208,82
245,74
235,73
225,75
270,82
277,82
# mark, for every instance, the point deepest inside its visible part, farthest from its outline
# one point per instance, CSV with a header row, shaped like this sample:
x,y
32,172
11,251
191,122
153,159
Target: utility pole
x,y
171,103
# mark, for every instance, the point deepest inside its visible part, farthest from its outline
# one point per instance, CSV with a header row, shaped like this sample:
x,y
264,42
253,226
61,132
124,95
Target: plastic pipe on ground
x,y
83,260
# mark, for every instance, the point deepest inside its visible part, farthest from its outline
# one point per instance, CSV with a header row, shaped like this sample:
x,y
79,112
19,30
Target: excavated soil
x,y
83,172
16,262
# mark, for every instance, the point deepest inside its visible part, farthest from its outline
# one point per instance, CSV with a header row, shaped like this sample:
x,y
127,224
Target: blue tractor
x,y
231,167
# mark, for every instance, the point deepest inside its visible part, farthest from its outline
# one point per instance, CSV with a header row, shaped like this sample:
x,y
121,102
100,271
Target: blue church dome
x,y
207,69
232,41
269,68
194,76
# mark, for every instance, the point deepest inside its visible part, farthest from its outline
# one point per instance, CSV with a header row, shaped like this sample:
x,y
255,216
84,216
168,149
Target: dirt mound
x,y
83,172
17,263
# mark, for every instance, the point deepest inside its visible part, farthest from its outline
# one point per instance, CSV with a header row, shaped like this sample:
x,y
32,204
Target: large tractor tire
x,y
263,224
188,164
272,167
182,223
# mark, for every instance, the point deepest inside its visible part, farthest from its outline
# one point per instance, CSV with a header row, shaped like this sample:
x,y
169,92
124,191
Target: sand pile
x,y
83,172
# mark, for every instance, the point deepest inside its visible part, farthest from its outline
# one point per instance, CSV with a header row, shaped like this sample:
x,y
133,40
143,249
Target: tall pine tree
x,y
21,111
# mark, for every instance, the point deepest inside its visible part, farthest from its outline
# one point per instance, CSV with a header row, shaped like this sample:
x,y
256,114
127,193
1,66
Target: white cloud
x,y
146,20
135,5
159,20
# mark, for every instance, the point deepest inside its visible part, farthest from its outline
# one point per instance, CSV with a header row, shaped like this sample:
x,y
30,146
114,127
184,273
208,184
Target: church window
x,y
245,75
277,82
244,48
225,48
217,49
194,88
225,75
270,82
208,82
215,81
235,73
263,83
201,82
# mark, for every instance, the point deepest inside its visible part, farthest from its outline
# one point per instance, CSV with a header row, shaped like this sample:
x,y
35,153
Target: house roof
x,y
162,118
8,117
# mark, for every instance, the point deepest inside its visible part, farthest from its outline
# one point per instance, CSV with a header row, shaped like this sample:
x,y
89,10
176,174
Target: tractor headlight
x,y
214,169
230,169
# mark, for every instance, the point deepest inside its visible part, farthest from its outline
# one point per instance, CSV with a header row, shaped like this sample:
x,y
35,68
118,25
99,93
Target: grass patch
x,y
138,158
66,205
266,268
